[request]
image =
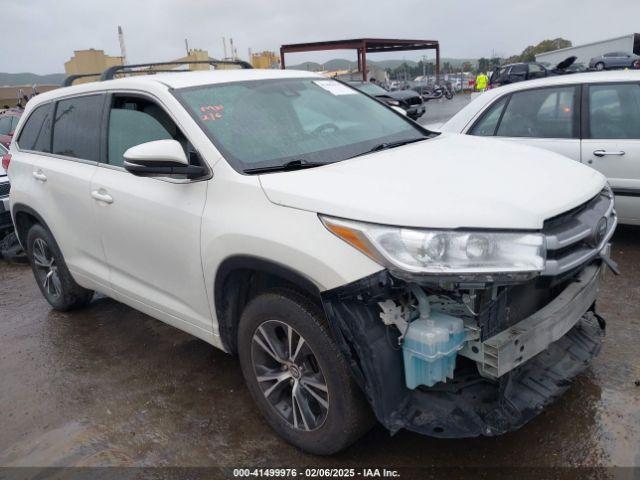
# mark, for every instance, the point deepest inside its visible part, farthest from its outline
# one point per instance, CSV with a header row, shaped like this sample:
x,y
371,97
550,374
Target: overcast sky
x,y
40,35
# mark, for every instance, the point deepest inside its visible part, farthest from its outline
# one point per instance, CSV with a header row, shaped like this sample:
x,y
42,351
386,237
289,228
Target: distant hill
x,y
30,79
343,64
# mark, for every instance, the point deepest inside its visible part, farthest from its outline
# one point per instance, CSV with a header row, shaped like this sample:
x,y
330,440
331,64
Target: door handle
x,y
102,197
41,177
603,153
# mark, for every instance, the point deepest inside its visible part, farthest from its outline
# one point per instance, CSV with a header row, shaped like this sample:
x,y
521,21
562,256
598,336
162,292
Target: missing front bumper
x,y
471,404
524,340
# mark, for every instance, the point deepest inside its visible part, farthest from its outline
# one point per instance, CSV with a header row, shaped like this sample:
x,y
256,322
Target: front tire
x,y
51,273
599,66
297,376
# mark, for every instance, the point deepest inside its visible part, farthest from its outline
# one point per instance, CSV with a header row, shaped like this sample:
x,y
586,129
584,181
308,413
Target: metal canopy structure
x,y
364,46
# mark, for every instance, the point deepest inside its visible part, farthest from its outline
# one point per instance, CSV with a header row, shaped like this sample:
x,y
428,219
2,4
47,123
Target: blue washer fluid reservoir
x,y
430,347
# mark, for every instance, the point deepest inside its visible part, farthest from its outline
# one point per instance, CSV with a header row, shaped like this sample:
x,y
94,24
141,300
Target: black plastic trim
x,y
110,72
228,300
21,208
626,192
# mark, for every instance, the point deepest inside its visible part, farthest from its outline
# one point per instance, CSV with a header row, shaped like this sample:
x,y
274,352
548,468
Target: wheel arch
x,y
240,278
24,217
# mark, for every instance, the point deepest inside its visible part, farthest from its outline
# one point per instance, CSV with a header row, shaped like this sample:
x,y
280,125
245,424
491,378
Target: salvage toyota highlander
x,y
355,262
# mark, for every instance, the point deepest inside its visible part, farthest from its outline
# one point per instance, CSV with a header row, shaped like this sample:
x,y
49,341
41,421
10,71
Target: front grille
x,y
414,101
575,237
5,187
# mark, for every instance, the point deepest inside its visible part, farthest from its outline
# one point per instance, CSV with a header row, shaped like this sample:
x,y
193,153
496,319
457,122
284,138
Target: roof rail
x,y
110,72
72,78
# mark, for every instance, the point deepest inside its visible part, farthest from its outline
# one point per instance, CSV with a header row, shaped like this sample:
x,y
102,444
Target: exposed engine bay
x,y
478,359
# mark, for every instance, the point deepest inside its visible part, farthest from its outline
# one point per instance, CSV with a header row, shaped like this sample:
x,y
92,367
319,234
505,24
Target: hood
x,y
450,181
566,63
401,94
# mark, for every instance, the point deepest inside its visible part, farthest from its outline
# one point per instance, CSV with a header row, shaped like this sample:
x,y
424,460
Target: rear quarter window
x,y
36,133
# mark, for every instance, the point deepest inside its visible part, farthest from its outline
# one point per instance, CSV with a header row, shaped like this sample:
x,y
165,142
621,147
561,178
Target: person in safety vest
x,y
482,82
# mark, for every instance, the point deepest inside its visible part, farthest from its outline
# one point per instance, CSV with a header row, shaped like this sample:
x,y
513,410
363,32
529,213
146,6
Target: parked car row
x,y
408,100
5,188
518,72
8,123
592,118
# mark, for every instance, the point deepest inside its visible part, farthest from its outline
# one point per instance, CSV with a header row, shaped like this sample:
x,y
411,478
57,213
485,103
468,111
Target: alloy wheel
x,y
289,375
46,268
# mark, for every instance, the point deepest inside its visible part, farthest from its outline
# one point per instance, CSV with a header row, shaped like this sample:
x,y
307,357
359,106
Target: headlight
x,y
394,103
424,251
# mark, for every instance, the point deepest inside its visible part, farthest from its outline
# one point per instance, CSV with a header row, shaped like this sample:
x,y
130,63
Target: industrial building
x,y
265,59
90,61
627,43
9,94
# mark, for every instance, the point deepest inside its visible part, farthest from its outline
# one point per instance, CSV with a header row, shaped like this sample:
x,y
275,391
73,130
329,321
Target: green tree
x,y
529,53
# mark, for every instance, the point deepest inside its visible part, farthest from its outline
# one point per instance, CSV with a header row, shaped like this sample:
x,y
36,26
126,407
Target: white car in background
x,y
593,118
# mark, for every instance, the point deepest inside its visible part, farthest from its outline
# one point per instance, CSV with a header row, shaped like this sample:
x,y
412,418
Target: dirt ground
x,y
111,386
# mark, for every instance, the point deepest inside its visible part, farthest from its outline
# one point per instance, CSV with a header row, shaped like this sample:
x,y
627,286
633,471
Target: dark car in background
x,y
409,100
613,60
8,122
518,72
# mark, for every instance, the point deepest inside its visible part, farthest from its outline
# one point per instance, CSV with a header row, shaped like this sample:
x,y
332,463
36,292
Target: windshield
x,y
370,88
267,123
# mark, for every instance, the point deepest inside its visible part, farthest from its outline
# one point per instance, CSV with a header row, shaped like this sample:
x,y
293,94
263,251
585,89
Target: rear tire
x,y
51,273
305,391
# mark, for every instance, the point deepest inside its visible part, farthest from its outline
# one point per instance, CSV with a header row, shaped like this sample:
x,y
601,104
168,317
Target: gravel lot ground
x,y
111,386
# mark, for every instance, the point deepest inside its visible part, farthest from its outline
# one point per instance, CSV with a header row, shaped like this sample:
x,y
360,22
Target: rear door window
x,y
614,111
36,133
541,113
76,127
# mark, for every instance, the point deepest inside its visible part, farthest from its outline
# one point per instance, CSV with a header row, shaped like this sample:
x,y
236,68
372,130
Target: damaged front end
x,y
460,356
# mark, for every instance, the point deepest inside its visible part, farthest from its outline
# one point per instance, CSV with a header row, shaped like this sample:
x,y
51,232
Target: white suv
x,y
354,261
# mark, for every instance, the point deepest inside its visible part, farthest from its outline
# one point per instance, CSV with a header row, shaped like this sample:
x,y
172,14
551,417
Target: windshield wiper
x,y
287,166
387,145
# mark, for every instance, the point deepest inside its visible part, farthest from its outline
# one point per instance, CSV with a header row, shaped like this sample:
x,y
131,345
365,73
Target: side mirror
x,y
160,157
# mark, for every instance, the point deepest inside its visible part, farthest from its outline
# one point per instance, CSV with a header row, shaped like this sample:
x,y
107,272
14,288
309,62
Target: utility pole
x,y
123,51
224,47
186,45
